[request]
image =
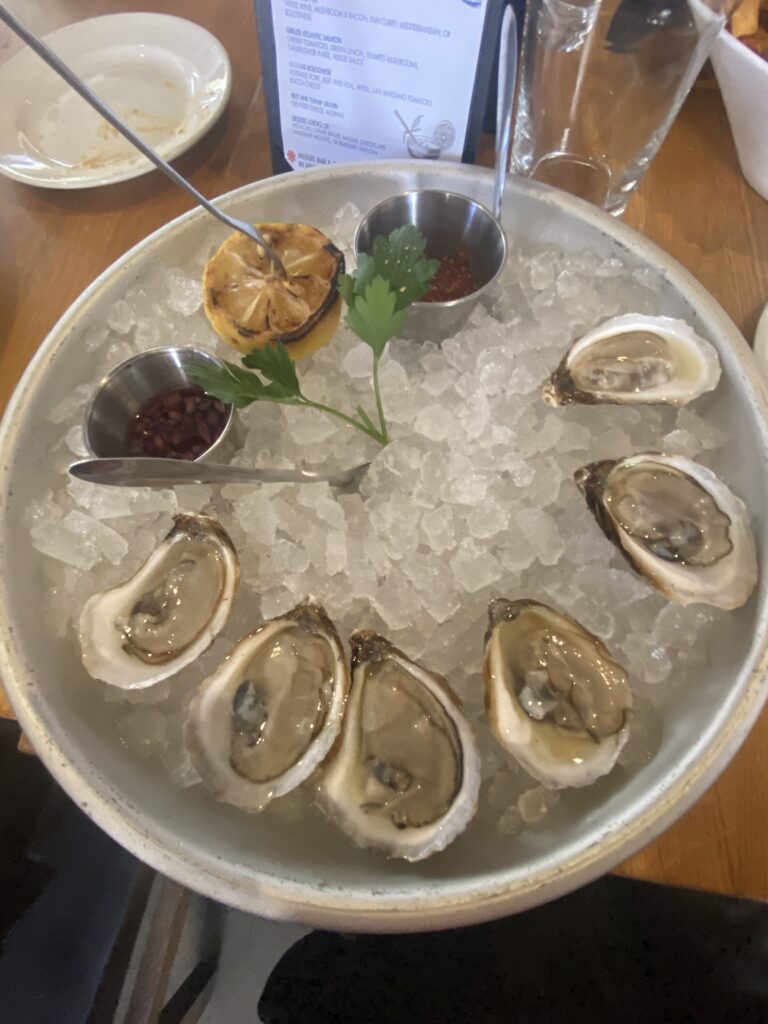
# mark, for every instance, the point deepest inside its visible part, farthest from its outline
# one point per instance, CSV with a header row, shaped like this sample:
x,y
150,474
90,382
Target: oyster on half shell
x,y
677,524
260,725
635,360
556,699
166,614
404,775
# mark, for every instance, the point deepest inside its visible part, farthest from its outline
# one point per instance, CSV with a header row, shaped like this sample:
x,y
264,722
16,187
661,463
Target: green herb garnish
x,y
377,294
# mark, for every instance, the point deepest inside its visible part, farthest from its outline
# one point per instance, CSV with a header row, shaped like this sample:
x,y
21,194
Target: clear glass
x,y
601,83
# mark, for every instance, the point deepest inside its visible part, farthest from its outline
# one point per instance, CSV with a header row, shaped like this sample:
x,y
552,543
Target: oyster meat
x,y
404,776
556,699
635,359
677,524
260,725
168,613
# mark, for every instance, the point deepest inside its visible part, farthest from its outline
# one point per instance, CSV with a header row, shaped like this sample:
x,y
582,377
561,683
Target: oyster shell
x,y
635,359
404,775
260,725
555,697
166,614
677,524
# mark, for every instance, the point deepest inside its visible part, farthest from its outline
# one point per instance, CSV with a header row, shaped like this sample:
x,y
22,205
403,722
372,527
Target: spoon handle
x,y
62,69
504,102
148,472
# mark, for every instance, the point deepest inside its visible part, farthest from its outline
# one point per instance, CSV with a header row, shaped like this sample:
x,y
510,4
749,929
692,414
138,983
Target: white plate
x,y
168,78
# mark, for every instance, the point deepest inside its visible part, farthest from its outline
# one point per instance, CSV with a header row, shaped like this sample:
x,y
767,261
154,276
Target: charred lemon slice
x,y
249,305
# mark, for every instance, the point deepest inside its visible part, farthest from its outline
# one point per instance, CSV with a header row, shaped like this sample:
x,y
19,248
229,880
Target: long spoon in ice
x,y
149,472
119,125
505,98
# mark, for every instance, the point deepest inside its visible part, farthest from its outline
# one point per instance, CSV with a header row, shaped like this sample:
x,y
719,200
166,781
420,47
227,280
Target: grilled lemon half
x,y
249,306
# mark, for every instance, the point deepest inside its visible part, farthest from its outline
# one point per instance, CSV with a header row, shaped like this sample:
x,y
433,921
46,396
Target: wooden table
x,y
694,203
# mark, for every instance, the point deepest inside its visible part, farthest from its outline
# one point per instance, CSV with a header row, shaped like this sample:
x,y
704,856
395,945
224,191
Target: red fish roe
x,y
453,279
179,424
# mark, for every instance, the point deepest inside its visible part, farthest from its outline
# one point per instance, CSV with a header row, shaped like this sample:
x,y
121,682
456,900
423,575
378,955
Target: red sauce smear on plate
x,y
179,424
453,279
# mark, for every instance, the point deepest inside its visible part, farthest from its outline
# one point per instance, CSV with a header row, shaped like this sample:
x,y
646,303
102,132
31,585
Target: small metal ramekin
x,y
125,389
448,221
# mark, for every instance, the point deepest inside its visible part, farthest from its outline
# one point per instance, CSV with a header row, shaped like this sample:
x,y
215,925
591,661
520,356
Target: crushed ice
x,y
472,499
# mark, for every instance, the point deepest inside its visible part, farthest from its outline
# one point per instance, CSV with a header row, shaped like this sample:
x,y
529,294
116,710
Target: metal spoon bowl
x,y
122,392
448,220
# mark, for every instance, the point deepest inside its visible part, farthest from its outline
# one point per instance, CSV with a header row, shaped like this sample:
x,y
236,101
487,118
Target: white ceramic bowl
x,y
311,874
167,77
743,78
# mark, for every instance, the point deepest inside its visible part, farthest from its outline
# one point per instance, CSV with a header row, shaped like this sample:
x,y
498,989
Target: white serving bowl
x,y
310,873
743,78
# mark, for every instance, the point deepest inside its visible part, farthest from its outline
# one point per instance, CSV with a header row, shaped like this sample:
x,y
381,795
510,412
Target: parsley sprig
x,y
377,295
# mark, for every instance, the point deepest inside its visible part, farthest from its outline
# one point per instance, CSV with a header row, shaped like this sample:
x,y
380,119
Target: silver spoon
x,y
58,65
148,472
504,101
